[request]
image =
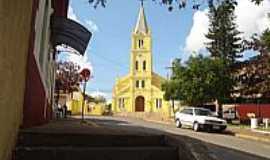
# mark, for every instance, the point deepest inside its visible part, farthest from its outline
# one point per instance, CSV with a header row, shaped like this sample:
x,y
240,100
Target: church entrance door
x,y
139,104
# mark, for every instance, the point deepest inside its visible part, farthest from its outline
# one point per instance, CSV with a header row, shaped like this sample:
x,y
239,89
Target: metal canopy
x,y
68,32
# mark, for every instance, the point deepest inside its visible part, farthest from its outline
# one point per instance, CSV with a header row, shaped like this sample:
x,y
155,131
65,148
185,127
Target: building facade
x,y
27,64
140,90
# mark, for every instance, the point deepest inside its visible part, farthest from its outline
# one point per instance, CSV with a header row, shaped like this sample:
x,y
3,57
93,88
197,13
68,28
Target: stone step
x,y
96,153
84,140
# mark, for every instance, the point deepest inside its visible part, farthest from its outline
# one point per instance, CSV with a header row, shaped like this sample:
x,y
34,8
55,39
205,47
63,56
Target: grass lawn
x,y
241,126
264,129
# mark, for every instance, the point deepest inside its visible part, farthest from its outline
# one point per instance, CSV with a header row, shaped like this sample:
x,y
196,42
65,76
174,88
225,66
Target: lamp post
x,y
85,75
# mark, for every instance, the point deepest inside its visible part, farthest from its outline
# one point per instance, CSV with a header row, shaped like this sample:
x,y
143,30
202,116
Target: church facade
x,y
140,90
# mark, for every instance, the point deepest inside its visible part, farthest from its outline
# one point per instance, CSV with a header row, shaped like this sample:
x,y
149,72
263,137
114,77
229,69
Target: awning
x,y
68,32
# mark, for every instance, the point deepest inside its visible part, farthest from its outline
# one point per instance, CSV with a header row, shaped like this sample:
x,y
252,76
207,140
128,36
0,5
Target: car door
x,y
186,116
182,116
190,117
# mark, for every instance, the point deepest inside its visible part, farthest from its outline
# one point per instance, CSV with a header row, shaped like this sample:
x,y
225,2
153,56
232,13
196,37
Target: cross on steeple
x,y
142,2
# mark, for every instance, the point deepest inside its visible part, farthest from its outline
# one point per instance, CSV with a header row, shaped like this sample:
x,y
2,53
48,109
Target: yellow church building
x,y
140,90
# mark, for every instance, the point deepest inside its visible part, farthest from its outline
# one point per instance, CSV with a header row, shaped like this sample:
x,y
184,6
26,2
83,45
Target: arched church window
x,y
143,84
144,65
137,84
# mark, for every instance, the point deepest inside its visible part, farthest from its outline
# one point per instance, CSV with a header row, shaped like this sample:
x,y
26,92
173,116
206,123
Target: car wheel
x,y
178,123
221,130
196,127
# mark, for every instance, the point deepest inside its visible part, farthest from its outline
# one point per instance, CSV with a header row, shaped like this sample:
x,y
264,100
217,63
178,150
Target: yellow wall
x,y
15,19
95,109
91,108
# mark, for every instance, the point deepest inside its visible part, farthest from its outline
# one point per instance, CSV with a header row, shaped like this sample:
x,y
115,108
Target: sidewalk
x,y
247,133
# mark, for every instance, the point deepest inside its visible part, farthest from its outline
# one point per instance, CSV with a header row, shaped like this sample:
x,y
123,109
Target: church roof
x,y
141,26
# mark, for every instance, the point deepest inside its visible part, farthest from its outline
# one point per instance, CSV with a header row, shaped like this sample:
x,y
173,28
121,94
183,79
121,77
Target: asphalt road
x,y
221,146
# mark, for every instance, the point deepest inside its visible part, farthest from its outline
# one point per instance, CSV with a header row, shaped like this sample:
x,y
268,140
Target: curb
x,y
155,121
252,137
262,132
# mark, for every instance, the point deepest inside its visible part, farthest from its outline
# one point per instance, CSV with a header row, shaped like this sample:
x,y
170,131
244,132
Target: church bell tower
x,y
141,48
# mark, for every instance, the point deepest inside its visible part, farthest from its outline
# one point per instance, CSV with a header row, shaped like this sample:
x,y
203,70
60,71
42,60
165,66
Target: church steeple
x,y
141,25
141,48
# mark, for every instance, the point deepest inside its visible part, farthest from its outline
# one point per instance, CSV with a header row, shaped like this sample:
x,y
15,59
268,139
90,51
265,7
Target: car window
x,y
187,111
203,112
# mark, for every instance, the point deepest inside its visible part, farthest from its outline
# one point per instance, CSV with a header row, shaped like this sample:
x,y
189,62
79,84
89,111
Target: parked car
x,y
230,114
199,119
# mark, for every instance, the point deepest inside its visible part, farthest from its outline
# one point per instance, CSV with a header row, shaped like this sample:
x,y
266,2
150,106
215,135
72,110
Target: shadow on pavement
x,y
100,128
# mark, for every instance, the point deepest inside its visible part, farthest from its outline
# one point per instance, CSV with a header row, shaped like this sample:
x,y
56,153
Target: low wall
x,y
260,110
146,115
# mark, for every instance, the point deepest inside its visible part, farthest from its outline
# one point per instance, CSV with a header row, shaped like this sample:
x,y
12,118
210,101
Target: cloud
x,y
71,55
82,61
92,26
196,38
250,19
98,94
72,15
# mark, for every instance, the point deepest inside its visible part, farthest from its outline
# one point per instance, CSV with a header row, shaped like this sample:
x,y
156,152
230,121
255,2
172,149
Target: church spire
x,y
141,25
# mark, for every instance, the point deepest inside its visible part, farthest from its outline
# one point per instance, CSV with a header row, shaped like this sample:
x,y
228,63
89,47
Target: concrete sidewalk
x,y
96,132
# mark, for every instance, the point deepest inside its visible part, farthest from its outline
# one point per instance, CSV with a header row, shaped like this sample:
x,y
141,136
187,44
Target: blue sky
x,y
174,35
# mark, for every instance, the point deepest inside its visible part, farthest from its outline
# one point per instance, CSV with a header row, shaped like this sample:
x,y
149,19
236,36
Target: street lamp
x,y
85,75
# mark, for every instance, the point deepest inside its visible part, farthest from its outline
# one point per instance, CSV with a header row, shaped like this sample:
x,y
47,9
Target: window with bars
x,y
143,83
144,65
158,103
140,43
137,84
136,65
121,103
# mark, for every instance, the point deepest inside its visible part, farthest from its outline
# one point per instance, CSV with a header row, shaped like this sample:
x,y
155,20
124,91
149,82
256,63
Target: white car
x,y
198,119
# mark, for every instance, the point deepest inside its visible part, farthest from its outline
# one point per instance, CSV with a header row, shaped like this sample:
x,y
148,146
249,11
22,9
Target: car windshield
x,y
203,112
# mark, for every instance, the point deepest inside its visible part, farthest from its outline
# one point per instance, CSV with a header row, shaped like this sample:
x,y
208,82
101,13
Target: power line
x,y
119,65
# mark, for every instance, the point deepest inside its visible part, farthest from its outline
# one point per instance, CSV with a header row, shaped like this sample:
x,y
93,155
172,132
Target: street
x,y
221,146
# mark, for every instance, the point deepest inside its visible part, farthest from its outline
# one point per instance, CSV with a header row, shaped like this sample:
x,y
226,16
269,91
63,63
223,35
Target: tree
x,y
223,34
171,87
198,81
253,74
67,77
171,4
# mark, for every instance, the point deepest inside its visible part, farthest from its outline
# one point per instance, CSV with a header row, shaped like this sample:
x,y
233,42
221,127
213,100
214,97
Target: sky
x,y
176,34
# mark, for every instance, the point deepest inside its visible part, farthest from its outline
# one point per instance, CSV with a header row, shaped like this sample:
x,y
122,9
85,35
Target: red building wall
x,y
260,110
37,110
35,97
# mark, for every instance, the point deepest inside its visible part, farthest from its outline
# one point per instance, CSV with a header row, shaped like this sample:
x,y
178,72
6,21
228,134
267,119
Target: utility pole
x,y
169,68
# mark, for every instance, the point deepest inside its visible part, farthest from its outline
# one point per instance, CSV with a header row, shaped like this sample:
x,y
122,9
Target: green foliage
x,y
265,39
199,81
253,74
259,43
171,4
223,34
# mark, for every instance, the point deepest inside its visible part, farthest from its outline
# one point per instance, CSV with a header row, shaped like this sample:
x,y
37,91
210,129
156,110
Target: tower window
x,y
137,65
137,84
140,43
143,84
144,65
